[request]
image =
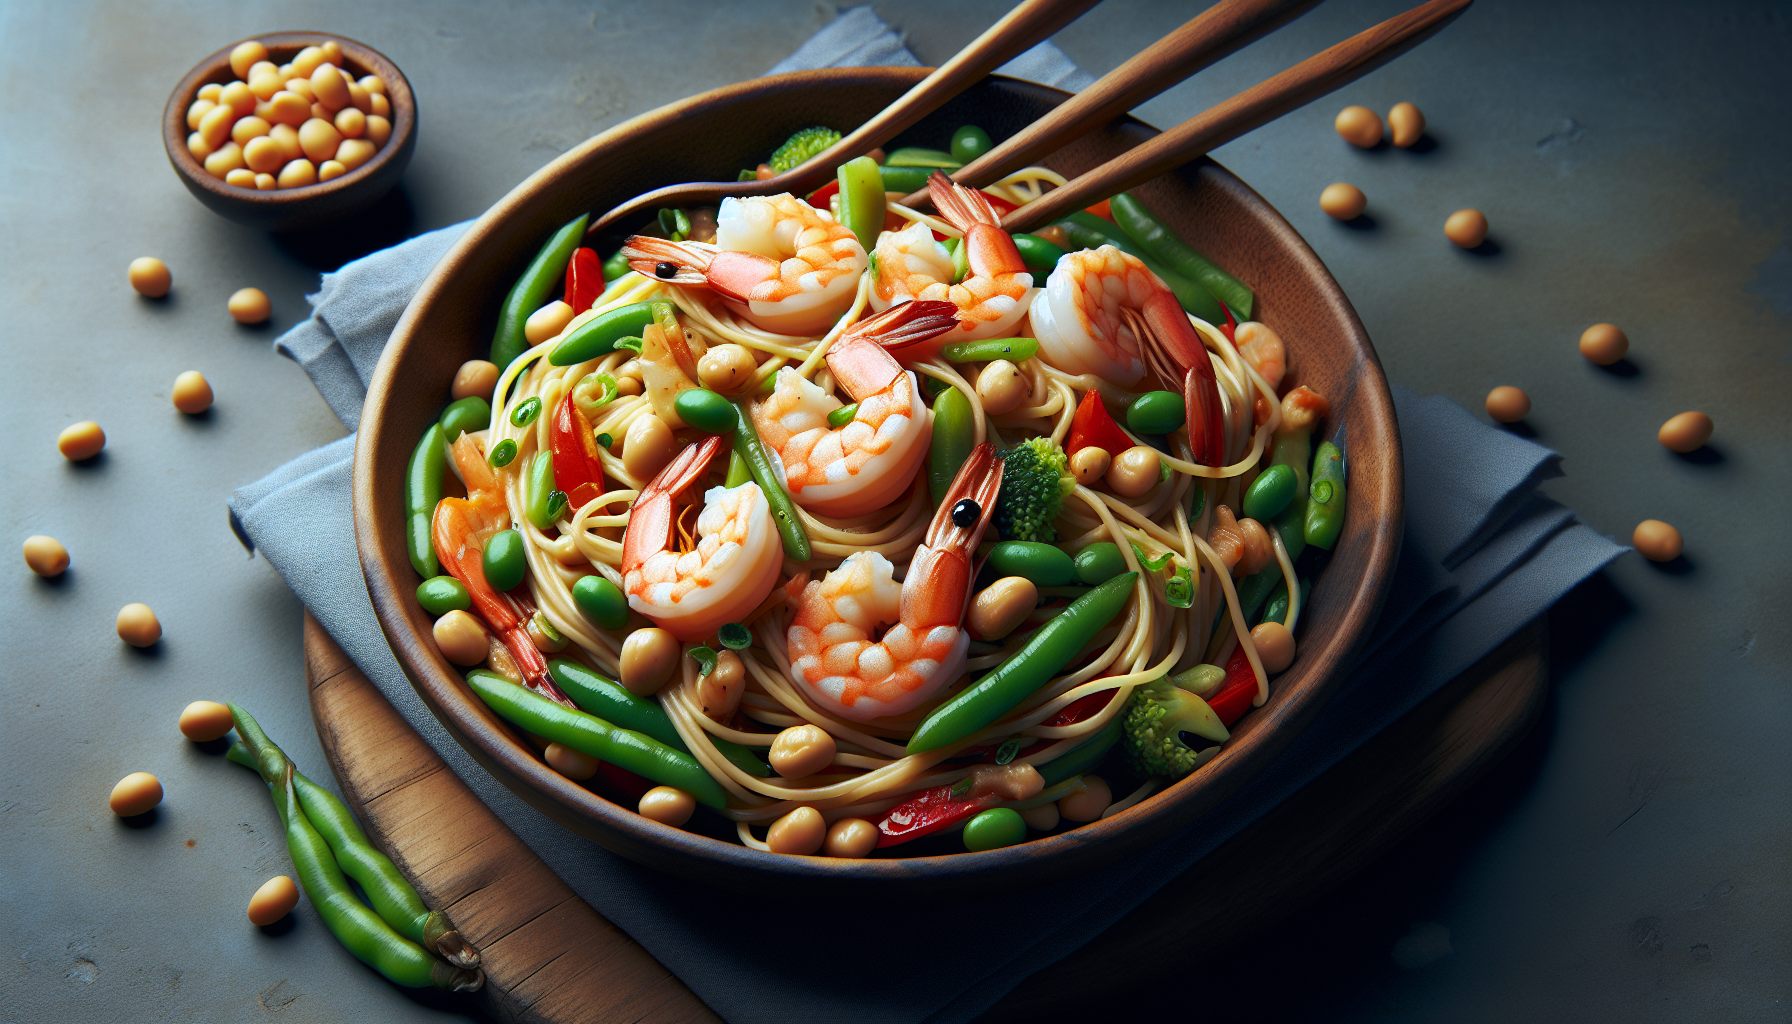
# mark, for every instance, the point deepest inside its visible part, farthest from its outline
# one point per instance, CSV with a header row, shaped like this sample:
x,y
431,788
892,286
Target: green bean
x,y
601,601
1173,252
1277,608
609,701
1099,563
704,410
1026,670
784,513
615,266
440,595
738,473
503,560
904,179
594,737
1040,256
842,416
598,336
1045,564
465,416
422,489
676,224
915,156
539,491
969,143
1080,759
954,433
1325,509
961,259
502,453
862,200
1293,449
531,291
1091,232
1015,350
1270,493
1156,412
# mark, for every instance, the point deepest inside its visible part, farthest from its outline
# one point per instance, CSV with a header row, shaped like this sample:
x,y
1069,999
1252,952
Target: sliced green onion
x,y
1180,590
502,453
525,412
1005,753
632,344
605,440
842,416
557,502
735,636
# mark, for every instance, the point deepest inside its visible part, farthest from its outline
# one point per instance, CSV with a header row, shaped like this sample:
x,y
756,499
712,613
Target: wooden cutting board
x,y
550,957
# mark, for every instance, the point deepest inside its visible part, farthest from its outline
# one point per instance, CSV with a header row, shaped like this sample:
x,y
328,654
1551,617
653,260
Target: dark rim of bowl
x,y
1261,737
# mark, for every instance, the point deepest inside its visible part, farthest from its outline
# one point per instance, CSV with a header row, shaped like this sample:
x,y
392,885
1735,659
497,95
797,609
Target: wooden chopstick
x,y
1307,81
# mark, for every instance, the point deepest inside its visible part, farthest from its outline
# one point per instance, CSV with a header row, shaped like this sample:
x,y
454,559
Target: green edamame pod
x,y
440,595
1144,228
969,143
531,292
1045,564
540,491
1099,563
961,259
465,416
594,737
1083,758
903,179
615,266
609,701
915,156
1270,493
862,200
504,561
842,416
1325,505
704,410
1091,232
598,336
784,514
994,829
1015,350
1027,669
1040,256
1156,412
954,429
1293,449
422,489
601,601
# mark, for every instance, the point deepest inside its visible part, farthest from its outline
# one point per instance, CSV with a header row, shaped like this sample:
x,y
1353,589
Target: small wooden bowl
x,y
286,209
709,138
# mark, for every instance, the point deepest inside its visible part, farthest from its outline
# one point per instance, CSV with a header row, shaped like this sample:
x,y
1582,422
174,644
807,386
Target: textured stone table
x,y
1629,862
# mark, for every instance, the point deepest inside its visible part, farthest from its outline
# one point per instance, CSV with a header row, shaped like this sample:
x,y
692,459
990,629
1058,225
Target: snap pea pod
x,y
610,702
1027,669
904,179
1091,232
738,473
422,489
1099,563
862,200
1039,255
1325,506
615,266
1145,229
531,291
842,416
1082,758
540,491
1277,608
594,737
598,336
915,156
440,595
784,514
1046,565
1015,350
467,415
961,263
704,410
954,434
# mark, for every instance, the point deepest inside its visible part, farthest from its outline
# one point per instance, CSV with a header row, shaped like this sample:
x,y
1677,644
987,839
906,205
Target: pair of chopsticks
x,y
1220,30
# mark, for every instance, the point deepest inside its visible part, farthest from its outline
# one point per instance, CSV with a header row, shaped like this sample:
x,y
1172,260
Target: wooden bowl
x,y
710,137
286,209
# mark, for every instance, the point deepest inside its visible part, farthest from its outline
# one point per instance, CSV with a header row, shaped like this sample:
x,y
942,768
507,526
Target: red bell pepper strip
x,y
819,198
1082,709
1235,695
1003,206
632,786
1230,327
584,279
577,470
1101,210
928,812
1093,427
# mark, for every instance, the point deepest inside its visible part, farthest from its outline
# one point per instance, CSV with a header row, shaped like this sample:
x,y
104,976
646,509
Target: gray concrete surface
x,y
1629,863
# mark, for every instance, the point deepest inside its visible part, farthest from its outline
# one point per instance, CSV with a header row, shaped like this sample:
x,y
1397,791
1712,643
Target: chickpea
x,y
627,386
1359,126
1043,818
192,395
245,56
242,177
546,322
850,838
1406,124
1603,344
150,277
264,84
802,750
1343,201
1002,388
1686,432
289,108
1275,646
1090,465
647,447
667,805
547,639
379,129
330,88
1087,803
374,84
569,762
727,369
46,556
319,139
1467,228
351,123
226,158
498,659
801,832
330,170
1657,541
197,146
476,378
308,61
205,720
1135,471
81,441
719,692
649,658
135,794
137,625
301,87
299,173
237,97
352,153
379,106
250,306
197,111
210,91
461,638
1002,606
264,155
1508,404
273,901
332,52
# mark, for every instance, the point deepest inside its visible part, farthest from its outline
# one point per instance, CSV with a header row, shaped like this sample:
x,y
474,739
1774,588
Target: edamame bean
x,y
1043,564
137,625
150,277
969,143
1099,563
705,410
601,601
1039,255
994,829
45,555
1270,493
1156,412
504,561
467,415
440,595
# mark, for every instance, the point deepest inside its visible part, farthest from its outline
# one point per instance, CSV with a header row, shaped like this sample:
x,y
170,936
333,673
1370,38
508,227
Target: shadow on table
x,y
327,248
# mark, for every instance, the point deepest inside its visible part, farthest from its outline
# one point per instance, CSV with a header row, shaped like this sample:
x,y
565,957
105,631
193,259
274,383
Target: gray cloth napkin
x,y
1485,553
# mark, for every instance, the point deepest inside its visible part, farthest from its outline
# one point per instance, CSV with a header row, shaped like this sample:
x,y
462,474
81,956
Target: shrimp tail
x,y
690,261
938,588
651,516
1174,351
961,207
903,331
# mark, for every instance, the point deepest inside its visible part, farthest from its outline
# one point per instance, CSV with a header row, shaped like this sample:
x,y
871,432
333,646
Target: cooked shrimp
x,y
866,464
993,296
1243,545
1102,311
668,367
1263,349
835,650
732,567
779,262
460,529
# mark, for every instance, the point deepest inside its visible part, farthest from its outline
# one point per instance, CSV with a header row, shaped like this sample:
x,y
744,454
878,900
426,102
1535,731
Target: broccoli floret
x,y
1035,479
802,146
1156,716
